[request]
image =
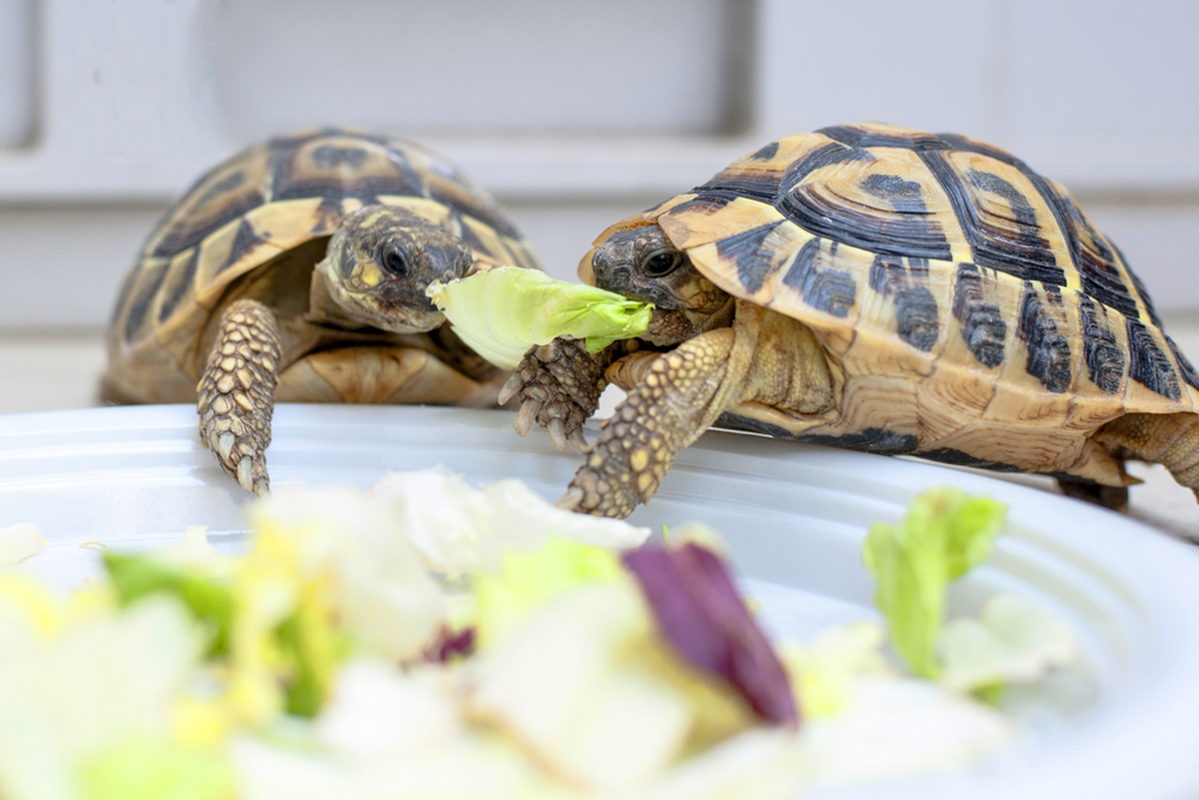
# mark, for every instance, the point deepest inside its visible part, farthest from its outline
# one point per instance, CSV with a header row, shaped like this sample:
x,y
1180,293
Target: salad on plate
x,y
429,639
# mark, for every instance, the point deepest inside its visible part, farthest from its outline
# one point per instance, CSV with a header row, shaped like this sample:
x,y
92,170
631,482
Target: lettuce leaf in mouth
x,y
501,313
944,534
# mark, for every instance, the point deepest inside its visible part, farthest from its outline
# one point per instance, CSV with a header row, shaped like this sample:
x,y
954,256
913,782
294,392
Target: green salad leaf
x,y
944,534
503,312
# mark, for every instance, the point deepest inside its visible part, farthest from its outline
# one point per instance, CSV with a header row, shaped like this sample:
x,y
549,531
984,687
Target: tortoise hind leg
x,y
237,393
1113,497
1171,440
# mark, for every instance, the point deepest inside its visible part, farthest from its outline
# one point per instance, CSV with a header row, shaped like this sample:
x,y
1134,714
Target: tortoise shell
x,y
248,213
970,311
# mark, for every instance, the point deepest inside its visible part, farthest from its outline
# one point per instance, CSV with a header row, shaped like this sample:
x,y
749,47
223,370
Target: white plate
x,y
1123,726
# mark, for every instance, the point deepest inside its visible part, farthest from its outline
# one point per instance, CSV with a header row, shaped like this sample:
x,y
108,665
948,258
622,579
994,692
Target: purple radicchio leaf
x,y
450,644
698,609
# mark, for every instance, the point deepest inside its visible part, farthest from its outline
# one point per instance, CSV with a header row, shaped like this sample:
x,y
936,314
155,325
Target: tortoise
x,y
881,289
296,271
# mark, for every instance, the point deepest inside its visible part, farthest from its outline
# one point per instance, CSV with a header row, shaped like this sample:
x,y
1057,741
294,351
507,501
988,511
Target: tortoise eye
x,y
661,264
395,261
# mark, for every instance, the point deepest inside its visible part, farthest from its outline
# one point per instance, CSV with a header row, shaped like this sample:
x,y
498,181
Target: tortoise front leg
x,y
559,386
237,393
682,393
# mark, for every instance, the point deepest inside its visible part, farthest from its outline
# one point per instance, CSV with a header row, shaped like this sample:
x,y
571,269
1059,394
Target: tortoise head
x,y
642,263
380,261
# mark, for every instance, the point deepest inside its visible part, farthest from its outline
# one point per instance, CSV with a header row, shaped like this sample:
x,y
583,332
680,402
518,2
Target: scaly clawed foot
x,y
237,393
559,385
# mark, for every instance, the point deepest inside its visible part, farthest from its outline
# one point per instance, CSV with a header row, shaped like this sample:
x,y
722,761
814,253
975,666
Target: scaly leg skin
x,y
559,386
1171,440
237,393
683,393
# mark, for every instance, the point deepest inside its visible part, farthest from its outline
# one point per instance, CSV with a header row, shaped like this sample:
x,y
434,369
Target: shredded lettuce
x,y
1011,642
503,312
944,534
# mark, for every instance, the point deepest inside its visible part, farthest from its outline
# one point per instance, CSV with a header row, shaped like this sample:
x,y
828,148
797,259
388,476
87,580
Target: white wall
x,y
574,113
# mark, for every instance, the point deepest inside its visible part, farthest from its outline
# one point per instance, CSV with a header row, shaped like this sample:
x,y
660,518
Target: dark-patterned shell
x,y
274,197
955,290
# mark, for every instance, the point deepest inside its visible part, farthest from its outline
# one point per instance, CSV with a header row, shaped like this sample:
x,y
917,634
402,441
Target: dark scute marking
x,y
1027,257
1105,359
243,242
187,233
887,276
983,327
476,207
749,252
821,157
907,196
224,185
292,181
1096,263
141,301
348,258
871,440
1048,350
328,156
907,232
182,282
915,307
1026,217
1142,292
1148,365
757,185
916,315
947,455
766,152
859,137
958,142
709,202
1184,366
829,290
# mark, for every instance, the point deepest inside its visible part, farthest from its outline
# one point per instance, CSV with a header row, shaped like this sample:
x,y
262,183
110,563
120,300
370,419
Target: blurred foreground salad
x,y
425,639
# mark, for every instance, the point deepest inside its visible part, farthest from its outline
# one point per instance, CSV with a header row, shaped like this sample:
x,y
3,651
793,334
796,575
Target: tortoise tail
x,y
1171,440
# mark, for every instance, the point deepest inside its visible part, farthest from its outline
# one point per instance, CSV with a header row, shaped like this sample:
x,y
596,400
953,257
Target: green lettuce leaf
x,y
944,534
503,312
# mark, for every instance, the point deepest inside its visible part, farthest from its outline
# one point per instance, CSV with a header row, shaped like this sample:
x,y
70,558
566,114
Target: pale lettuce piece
x,y
527,580
96,684
1012,641
503,312
378,712
565,682
460,530
468,766
944,534
384,597
19,542
823,670
900,726
139,767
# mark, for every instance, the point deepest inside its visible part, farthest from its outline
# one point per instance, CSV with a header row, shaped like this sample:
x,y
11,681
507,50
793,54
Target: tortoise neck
x,y
323,307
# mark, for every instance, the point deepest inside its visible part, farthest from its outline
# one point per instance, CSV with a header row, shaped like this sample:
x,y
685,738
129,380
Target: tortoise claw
x,y
526,416
578,441
557,432
571,500
510,388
